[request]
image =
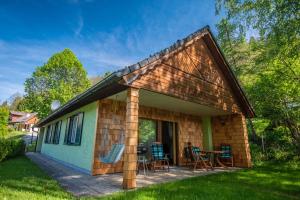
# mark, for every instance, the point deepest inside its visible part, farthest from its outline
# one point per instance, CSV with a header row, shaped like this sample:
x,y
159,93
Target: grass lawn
x,y
21,179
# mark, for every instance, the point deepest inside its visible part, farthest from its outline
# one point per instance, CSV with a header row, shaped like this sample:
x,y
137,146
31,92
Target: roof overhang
x,y
103,89
169,103
227,71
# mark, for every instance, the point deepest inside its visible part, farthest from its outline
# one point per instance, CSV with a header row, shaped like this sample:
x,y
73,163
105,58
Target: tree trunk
x,y
254,137
295,132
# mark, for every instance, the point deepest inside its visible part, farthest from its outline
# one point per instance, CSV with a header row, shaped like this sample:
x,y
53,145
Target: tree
x,y
4,114
14,101
271,72
61,78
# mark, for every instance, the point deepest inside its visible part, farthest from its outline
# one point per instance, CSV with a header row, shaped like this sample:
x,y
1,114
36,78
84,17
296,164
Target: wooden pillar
x,y
207,134
245,149
131,139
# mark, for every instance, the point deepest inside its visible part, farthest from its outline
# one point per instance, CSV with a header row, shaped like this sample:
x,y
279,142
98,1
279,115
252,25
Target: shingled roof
x,y
110,85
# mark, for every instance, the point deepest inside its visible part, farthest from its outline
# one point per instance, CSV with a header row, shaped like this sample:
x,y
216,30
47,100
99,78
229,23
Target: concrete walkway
x,y
80,184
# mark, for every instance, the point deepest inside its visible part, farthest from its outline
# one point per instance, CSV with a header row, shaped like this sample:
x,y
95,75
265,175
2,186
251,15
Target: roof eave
x,y
96,89
247,108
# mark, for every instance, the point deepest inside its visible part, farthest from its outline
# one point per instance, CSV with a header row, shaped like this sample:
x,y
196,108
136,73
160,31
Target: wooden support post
x,y
131,139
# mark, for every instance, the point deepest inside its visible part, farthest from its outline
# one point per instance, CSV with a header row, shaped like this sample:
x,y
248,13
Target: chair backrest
x,y
157,151
196,150
227,150
193,152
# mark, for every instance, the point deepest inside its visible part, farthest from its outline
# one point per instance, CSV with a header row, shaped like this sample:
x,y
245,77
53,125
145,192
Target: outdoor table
x,y
142,160
216,157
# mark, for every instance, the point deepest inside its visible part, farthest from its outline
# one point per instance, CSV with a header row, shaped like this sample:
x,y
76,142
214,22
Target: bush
x,y
257,155
4,114
3,149
10,148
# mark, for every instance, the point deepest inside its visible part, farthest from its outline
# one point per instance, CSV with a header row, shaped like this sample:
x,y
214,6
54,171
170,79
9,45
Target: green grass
x,y
21,179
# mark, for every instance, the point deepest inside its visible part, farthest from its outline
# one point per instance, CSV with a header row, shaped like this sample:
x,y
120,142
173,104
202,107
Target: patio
x,y
80,184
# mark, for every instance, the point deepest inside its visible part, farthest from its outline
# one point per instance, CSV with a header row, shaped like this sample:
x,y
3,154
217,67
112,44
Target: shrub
x,y
4,114
3,149
10,148
257,155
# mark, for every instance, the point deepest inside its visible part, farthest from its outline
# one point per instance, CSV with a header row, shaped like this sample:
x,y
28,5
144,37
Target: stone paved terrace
x,y
80,184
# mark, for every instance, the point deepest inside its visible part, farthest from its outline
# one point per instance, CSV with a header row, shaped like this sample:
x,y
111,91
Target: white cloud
x,y
79,27
9,88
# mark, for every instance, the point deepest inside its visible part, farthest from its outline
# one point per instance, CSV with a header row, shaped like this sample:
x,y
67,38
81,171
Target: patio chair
x,y
159,158
199,157
226,157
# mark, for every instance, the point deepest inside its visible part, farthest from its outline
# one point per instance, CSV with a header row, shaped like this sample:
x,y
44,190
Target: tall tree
x,y
61,78
274,71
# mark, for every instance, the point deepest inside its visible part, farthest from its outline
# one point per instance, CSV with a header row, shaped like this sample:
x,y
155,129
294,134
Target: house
x,y
22,121
184,93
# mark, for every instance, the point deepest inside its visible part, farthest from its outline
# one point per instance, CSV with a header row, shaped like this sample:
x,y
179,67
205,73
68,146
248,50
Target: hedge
x,y
10,148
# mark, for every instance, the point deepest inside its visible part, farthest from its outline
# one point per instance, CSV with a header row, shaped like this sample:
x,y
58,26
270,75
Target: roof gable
x,y
110,84
197,55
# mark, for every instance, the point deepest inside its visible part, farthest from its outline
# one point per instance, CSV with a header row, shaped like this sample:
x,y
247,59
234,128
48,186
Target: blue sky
x,y
105,35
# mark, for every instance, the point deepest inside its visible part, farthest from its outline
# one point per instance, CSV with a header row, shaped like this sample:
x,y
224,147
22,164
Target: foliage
x,y
268,65
4,115
13,101
147,131
61,78
10,148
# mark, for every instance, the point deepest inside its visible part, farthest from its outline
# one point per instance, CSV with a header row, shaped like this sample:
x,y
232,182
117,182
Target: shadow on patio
x,y
80,184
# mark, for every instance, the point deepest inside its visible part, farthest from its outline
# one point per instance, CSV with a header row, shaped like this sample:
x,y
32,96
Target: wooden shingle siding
x,y
232,130
190,74
110,119
189,130
131,139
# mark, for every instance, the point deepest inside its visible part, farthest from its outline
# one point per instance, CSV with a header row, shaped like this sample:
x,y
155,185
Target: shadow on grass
x,y
267,182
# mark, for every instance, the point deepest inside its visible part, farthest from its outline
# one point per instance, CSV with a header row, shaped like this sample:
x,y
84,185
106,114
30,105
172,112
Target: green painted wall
x,y
207,133
79,156
40,140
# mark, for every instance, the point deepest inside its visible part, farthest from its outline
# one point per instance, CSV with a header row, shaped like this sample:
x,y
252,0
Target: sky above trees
x,y
104,35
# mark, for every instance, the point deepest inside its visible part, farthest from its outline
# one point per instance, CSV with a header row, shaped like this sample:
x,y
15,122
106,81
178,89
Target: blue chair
x,y
159,158
199,157
226,157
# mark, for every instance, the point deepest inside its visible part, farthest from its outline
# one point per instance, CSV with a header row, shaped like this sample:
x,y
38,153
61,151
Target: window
x,y
48,134
147,131
53,133
74,129
56,132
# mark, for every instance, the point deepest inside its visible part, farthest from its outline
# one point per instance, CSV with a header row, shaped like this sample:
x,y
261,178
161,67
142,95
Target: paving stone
x,y
80,184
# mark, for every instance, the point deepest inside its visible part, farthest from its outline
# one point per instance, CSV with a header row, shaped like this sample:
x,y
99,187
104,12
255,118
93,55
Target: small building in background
x,y
22,121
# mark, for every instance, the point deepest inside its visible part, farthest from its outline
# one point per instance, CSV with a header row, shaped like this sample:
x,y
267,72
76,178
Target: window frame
x,y
48,131
56,132
52,133
73,132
